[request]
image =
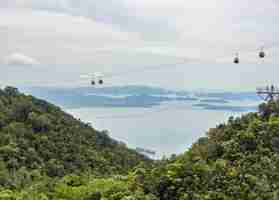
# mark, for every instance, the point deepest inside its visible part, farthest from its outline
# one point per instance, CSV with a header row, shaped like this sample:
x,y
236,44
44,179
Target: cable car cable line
x,y
158,67
236,60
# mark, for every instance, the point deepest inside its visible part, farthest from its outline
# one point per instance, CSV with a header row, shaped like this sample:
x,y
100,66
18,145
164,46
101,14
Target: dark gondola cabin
x,y
101,81
262,54
236,60
92,82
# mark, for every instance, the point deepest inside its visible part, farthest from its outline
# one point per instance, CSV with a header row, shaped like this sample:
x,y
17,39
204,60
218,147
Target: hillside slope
x,y
36,135
237,160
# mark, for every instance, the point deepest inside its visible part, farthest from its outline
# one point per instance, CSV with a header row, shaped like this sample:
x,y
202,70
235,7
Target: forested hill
x,y
237,160
36,135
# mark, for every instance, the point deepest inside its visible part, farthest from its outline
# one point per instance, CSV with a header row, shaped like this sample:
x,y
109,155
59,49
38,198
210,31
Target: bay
x,y
170,128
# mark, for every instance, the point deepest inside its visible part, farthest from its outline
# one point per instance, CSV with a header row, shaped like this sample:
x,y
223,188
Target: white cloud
x,y
110,35
196,24
60,38
20,59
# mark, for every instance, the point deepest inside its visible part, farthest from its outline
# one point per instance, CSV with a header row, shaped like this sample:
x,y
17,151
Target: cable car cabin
x,y
93,83
262,54
236,60
101,81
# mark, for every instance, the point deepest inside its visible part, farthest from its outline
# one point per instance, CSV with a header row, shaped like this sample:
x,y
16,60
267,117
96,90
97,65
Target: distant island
x,y
222,101
226,107
137,96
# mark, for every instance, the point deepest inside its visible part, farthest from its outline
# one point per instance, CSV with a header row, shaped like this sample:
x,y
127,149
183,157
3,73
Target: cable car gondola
x,y
236,59
262,53
95,79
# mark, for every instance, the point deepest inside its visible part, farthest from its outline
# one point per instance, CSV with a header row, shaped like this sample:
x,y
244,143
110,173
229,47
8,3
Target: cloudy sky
x,y
169,43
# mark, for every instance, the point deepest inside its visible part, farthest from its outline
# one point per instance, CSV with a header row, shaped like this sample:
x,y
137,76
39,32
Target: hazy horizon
x,y
43,76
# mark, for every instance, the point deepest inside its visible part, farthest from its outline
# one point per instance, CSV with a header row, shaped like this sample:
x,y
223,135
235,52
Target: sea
x,y
170,128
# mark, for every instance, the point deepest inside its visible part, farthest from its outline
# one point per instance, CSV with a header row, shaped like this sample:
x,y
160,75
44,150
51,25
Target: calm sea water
x,y
168,129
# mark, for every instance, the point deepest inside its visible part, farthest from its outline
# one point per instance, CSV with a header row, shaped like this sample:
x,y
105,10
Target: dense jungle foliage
x,y
38,136
238,160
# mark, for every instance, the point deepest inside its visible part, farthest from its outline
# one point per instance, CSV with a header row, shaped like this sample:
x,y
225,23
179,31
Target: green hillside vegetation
x,y
36,136
238,160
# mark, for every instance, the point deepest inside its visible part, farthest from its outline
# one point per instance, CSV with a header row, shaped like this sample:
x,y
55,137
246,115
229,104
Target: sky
x,y
176,44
